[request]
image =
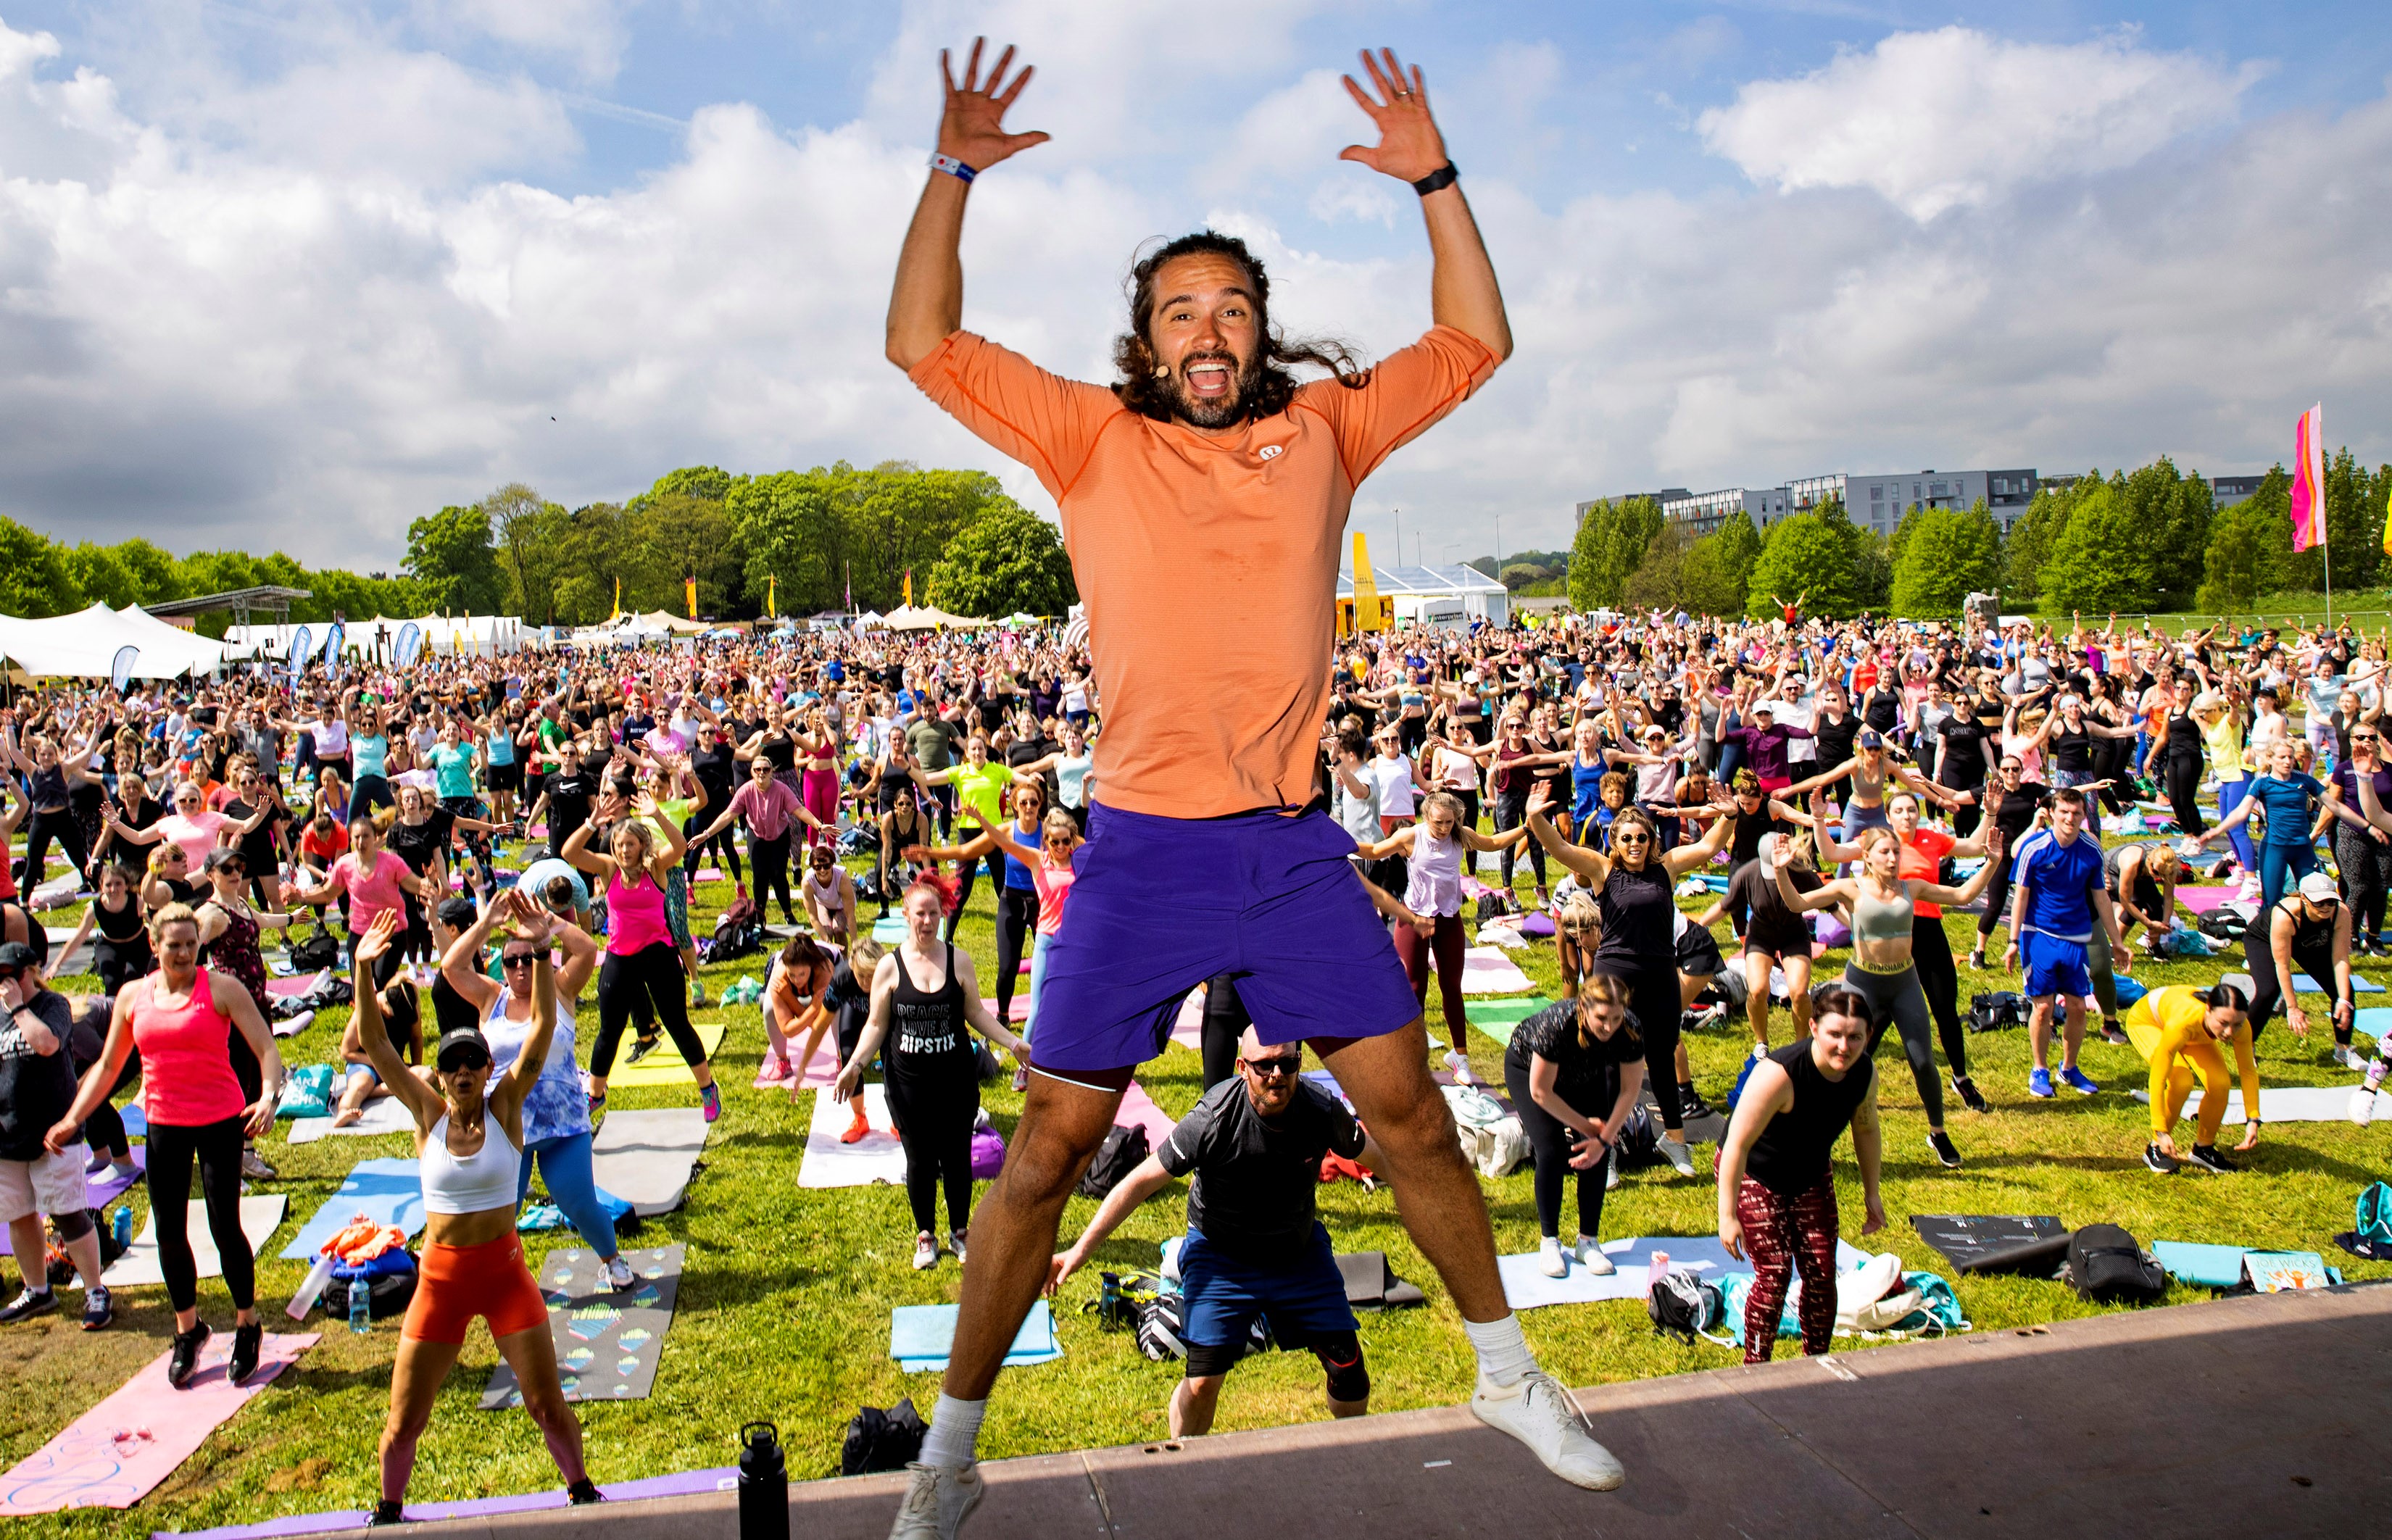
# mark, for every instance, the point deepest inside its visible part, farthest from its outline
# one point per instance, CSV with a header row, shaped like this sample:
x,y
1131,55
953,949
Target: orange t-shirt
x,y
1922,857
1208,565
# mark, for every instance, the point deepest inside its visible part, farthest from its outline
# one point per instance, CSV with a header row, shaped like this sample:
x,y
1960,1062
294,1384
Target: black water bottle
x,y
764,1484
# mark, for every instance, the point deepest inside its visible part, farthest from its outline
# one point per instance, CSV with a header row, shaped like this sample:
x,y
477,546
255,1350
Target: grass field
x,y
785,1306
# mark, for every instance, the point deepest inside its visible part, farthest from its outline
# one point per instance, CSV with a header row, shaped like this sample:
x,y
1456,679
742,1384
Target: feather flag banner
x,y
2387,527
2308,479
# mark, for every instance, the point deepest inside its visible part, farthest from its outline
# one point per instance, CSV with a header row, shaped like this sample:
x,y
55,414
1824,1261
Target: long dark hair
x,y
1268,386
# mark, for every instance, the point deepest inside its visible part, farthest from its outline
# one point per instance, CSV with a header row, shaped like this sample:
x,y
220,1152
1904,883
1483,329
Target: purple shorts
x,y
1161,904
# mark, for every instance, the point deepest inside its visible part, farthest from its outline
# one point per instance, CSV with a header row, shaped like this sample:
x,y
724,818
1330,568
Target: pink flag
x,y
2309,480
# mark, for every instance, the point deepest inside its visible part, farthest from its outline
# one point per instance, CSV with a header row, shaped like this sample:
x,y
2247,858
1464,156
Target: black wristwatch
x,y
1443,176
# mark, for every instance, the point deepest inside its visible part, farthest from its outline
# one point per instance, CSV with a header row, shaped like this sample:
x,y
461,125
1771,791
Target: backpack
x,y
1492,1140
1495,903
1120,1300
1639,1143
738,931
2375,1214
2107,1264
1684,1306
1124,1151
1999,1008
389,1281
882,1441
1160,1322
315,953
859,839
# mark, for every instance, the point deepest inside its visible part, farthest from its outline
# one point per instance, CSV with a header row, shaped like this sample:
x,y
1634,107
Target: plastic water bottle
x,y
360,1305
1658,1269
123,1224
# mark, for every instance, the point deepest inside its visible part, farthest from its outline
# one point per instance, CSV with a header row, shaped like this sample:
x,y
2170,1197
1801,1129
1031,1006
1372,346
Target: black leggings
x,y
104,1130
1017,921
1997,900
1930,954
771,859
217,1148
1550,1137
971,874
2269,992
2183,786
726,855
41,828
1653,997
1225,1021
1510,811
653,973
934,1121
2366,866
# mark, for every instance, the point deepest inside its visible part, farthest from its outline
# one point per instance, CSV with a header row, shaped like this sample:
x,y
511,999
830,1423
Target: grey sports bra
x,y
1876,919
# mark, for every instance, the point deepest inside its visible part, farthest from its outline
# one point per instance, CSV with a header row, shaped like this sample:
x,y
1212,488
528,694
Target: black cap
x,y
457,914
461,1043
16,954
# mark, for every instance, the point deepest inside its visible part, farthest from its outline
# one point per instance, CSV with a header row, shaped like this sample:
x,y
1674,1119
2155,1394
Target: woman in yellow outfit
x,y
2178,1028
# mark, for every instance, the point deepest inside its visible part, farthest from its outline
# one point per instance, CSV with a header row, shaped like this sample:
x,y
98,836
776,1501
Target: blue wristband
x,y
953,168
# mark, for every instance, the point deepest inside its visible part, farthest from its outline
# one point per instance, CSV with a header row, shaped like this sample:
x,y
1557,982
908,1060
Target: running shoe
x,y
1538,1412
1611,1171
2038,1083
1945,1151
583,1492
925,1252
1976,962
2160,1161
710,1098
185,1358
2348,1056
1589,1252
938,1500
98,1308
27,1305
1691,1103
618,1272
1971,1097
2114,1035
776,1070
254,1167
860,1126
2208,1159
1674,1152
1552,1258
96,1165
2078,1082
696,994
2363,1106
642,1048
597,1103
956,1239
1020,1078
1460,1068
246,1341
388,1511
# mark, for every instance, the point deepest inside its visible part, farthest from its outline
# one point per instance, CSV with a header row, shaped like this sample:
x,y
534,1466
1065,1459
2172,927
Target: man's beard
x,y
1222,411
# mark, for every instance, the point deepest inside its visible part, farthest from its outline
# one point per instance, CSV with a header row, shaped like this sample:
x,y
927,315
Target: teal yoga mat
x,y
1496,1018
388,1192
921,1335
2210,1266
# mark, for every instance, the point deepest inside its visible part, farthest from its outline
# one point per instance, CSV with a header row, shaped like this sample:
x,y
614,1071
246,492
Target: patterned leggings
x,y
1784,1235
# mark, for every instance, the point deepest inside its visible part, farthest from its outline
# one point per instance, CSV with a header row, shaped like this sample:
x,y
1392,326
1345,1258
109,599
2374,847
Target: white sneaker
x,y
2348,1056
956,1243
618,1272
1674,1151
1552,1258
1611,1173
2249,890
2363,1106
937,1502
1460,1068
1591,1257
926,1252
1538,1412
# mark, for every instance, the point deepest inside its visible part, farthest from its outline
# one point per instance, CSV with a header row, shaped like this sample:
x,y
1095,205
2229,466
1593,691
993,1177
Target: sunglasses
x,y
518,959
1631,839
1285,1064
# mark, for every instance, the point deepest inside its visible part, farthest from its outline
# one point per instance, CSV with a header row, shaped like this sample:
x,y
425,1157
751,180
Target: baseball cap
x,y
16,954
460,1047
1766,853
2319,888
1868,737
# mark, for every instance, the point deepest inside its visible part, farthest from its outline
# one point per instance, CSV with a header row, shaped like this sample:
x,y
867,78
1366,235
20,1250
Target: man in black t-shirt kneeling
x,y
1254,1146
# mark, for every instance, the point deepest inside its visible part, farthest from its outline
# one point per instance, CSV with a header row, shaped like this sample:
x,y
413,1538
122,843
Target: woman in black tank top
x,y
924,996
1633,889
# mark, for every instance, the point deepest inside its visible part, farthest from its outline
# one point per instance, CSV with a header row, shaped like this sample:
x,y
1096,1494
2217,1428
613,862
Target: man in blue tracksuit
x,y
2057,897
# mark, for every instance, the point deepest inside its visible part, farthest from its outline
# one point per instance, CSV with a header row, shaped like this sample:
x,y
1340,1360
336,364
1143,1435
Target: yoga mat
x,y
66,967
822,1070
1189,1029
920,1337
291,1026
136,1122
88,1465
2200,898
1496,1018
1485,970
108,1186
2376,1020
1527,1288
664,1065
682,1483
291,989
889,930
878,1157
388,1192
383,1114
607,1344
260,1217
2212,1266
2288,1103
2359,983
1138,1110
1972,1241
646,1159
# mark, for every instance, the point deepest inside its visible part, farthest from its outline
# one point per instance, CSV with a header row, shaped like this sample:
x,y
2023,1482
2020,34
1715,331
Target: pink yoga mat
x,y
1138,1110
293,988
103,1460
1189,1030
2201,901
822,1071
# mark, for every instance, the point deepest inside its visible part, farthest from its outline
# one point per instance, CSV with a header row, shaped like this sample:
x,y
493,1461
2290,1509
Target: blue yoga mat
x,y
388,1192
2359,983
2374,1021
921,1335
2212,1266
1706,1256
135,1120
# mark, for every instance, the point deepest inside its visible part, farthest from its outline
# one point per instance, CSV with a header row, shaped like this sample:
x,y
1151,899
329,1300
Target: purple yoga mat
x,y
107,1188
684,1484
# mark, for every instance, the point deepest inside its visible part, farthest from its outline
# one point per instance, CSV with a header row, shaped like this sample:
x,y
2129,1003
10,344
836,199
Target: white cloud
x,y
589,33
1955,117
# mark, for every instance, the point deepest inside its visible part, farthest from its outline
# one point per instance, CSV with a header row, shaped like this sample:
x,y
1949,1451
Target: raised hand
x,y
1410,147
971,128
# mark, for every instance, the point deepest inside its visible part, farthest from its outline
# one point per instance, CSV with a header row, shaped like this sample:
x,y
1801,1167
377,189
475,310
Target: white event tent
x,y
86,644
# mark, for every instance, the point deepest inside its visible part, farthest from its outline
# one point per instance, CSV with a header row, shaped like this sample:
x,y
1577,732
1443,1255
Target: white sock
x,y
954,1432
1504,1356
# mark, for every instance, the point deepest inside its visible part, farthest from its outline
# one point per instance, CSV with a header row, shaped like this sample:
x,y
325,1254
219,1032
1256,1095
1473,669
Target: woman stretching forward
x,y
469,1139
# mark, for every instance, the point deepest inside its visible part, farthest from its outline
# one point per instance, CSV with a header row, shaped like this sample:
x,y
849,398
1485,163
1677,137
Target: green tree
x,y
34,581
531,533
150,569
2235,567
2100,560
2355,519
100,575
1006,559
785,526
2172,511
1733,549
1612,539
2032,536
451,553
1944,556
691,538
1806,559
703,483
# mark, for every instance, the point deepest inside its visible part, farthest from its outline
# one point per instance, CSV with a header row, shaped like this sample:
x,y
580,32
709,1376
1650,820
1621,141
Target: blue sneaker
x,y
2077,1080
710,1100
2038,1083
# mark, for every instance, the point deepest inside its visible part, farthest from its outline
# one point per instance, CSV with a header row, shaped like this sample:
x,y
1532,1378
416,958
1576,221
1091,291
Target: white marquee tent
x,y
86,644
476,635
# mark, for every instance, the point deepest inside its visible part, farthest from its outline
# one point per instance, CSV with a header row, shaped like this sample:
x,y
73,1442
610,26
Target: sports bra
x,y
468,1185
1875,919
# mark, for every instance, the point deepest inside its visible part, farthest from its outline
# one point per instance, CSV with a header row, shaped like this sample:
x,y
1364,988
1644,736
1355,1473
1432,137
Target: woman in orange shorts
x,y
469,1141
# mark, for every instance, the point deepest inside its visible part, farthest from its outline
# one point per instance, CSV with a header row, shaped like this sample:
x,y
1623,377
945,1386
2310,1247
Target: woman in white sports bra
x,y
469,1137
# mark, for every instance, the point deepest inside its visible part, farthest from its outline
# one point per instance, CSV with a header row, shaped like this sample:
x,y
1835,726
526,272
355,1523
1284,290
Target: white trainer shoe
x,y
925,1252
2363,1106
1552,1258
938,1500
1538,1412
1674,1151
1589,1256
618,1272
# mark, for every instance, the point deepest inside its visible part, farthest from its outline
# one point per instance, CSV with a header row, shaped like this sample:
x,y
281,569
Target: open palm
x,y
1410,147
971,129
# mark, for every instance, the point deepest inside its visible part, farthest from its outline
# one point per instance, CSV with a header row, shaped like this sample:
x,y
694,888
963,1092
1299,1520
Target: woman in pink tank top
x,y
634,865
182,1018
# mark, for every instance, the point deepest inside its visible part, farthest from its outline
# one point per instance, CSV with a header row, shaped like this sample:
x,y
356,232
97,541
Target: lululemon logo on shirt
x,y
1269,451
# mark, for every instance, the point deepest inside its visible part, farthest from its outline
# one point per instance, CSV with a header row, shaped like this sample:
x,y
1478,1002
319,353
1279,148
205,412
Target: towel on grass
x,y
878,1157
921,1335
2288,1103
647,1158
1485,970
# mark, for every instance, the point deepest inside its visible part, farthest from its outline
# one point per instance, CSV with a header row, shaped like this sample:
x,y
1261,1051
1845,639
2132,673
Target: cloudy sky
x,y
288,275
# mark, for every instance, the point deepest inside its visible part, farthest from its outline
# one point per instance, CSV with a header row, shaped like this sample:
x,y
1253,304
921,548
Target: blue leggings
x,y
2275,861
1037,979
2231,795
565,1165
